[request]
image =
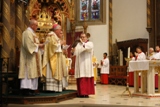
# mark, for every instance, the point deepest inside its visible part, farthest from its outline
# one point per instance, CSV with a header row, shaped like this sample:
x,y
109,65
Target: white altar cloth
x,y
148,69
138,65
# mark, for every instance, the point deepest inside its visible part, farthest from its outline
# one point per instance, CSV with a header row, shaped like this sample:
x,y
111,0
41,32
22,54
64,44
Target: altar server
x,y
139,55
104,69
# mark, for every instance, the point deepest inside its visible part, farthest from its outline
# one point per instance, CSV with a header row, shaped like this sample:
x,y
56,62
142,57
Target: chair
x,y
9,81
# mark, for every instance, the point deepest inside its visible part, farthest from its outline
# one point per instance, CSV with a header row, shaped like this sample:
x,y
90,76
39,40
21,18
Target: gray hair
x,y
151,48
32,21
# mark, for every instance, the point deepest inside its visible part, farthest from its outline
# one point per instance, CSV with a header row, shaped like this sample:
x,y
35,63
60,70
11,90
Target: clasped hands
x,y
41,45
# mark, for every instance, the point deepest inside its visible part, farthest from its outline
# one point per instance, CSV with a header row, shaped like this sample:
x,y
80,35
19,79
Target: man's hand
x,y
81,40
65,52
101,63
41,45
136,54
63,42
72,50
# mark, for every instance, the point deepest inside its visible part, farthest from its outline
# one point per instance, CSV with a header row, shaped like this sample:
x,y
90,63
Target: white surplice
x,y
156,55
105,66
141,56
83,65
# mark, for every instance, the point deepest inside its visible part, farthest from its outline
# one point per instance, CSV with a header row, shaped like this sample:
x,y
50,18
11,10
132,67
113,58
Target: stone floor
x,y
106,95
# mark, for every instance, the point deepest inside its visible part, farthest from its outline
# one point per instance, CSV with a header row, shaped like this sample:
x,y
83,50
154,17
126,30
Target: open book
x,y
65,47
46,42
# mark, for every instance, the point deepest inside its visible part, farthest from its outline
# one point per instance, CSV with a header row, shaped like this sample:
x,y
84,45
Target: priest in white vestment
x,y
54,61
83,67
157,53
30,68
139,55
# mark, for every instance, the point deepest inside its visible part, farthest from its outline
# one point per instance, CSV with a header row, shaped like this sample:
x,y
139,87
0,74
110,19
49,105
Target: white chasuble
x,y
28,71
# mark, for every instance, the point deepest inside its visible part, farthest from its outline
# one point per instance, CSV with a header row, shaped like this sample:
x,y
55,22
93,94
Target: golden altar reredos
x,y
48,12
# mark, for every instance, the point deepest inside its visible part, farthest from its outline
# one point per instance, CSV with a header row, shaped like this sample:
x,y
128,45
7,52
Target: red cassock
x,y
104,78
85,86
131,79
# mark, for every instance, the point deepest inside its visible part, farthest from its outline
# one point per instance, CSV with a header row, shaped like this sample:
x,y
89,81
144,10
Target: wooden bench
x,y
118,75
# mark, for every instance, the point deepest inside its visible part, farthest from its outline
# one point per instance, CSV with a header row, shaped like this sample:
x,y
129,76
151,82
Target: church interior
x,y
114,25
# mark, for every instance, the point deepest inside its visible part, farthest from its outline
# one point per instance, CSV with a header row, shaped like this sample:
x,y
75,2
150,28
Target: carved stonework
x,y
48,12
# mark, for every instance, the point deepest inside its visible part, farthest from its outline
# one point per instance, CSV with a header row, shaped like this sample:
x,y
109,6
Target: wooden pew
x,y
118,75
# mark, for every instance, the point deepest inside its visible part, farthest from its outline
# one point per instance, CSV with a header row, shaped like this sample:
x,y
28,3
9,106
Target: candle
x,y
128,52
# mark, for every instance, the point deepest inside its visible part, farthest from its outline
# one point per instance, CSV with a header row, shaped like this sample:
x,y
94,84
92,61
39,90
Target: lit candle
x,y
128,52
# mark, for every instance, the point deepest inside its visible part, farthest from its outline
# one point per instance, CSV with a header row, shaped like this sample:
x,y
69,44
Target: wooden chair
x,y
9,81
118,75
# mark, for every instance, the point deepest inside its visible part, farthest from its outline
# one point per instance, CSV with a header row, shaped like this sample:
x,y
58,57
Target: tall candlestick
x,y
128,52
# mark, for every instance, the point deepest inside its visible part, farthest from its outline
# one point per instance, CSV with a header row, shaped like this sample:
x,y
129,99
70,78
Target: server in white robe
x,y
139,55
30,60
104,69
83,67
157,53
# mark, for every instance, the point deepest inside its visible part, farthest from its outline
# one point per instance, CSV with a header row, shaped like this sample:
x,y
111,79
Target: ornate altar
x,y
48,12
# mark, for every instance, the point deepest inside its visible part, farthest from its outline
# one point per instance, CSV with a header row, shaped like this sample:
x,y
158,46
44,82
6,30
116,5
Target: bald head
x,y
151,50
32,21
33,24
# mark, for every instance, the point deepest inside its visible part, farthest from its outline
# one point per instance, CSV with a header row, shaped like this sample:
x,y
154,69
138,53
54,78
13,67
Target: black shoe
x,y
81,96
86,96
32,93
64,89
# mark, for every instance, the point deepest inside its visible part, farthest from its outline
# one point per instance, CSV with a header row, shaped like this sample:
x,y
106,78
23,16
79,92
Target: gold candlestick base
x,y
127,87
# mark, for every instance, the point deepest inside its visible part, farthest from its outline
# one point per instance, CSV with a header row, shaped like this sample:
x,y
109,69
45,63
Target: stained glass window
x,y
95,9
84,9
90,9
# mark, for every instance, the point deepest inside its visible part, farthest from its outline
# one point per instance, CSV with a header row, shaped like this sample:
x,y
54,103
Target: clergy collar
x,y
86,41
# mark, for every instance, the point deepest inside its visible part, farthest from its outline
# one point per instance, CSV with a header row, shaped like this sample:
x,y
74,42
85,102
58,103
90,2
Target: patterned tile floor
x,y
109,95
